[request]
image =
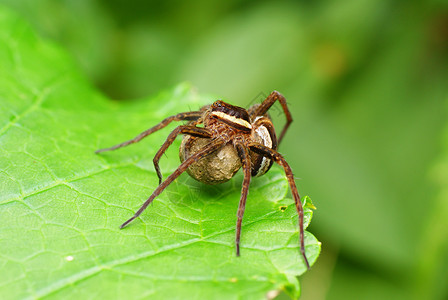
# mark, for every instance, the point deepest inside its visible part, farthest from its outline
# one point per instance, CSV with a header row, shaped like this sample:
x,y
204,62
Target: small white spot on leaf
x,y
272,294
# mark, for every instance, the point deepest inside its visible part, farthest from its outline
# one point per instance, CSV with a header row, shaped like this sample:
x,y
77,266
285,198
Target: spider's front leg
x,y
183,129
266,105
186,116
278,158
214,145
243,153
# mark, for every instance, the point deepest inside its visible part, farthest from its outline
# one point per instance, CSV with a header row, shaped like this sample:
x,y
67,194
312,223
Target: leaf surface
x,y
61,205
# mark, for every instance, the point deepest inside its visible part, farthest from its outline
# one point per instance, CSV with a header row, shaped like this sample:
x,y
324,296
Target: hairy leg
x,y
183,129
278,158
186,116
214,145
266,105
246,163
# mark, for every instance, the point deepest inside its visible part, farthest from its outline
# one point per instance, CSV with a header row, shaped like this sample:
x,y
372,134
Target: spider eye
x,y
217,104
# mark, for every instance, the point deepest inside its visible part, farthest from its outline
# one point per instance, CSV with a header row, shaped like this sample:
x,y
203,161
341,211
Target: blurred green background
x,y
367,83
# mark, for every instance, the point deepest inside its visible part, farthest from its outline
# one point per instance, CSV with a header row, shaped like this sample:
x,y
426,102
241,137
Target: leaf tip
x,y
308,203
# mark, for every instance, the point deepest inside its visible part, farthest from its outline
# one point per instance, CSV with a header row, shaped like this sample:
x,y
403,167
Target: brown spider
x,y
231,137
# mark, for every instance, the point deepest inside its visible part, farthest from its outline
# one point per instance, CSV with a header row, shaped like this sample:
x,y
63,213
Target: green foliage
x,y
61,205
430,280
367,84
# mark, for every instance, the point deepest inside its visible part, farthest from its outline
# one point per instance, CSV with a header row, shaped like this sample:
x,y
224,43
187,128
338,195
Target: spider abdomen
x,y
217,167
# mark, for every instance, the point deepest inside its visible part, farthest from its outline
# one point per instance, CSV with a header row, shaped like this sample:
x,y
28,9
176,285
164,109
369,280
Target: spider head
x,y
230,114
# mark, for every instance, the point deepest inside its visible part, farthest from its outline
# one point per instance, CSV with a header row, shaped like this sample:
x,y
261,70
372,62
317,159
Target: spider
x,y
231,137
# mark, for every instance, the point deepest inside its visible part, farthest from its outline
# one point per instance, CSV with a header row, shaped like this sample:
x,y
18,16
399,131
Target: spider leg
x,y
266,105
188,116
278,158
246,163
214,145
183,129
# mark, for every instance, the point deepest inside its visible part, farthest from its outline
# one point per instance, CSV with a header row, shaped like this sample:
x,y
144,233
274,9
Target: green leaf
x,y
61,205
